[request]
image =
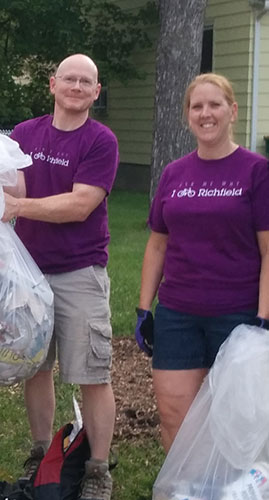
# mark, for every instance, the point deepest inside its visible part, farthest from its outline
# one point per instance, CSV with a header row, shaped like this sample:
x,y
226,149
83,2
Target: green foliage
x,y
13,103
35,35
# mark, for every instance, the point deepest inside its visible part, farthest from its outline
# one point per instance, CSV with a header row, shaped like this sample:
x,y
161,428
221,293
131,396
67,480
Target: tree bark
x,y
178,60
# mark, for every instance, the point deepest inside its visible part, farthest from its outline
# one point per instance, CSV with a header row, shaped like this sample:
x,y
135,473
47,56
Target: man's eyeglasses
x,y
72,80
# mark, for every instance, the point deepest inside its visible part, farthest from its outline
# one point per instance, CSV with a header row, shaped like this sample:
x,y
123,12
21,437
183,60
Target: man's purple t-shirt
x,y
212,210
87,155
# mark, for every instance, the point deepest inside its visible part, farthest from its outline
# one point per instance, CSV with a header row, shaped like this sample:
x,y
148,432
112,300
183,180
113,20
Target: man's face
x,y
75,86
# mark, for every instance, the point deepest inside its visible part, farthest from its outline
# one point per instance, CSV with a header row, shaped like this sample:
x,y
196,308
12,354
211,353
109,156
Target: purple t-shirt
x,y
211,210
87,155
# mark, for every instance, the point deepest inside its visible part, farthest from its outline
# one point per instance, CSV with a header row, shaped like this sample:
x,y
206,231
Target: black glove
x,y
144,330
261,322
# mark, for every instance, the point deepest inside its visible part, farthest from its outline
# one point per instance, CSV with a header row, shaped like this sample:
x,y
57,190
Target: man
x,y
61,210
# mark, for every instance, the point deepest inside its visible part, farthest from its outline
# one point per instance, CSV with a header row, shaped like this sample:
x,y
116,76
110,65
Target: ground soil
x,y
137,416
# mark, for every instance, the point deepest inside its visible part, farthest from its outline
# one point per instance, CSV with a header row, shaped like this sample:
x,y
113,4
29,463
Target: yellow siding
x,y
232,57
131,107
263,102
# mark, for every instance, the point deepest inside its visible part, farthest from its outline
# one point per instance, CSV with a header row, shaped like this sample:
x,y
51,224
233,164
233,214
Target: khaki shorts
x,y
82,331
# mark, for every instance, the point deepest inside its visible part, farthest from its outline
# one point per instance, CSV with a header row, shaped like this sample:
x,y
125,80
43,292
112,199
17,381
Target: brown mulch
x,y
136,416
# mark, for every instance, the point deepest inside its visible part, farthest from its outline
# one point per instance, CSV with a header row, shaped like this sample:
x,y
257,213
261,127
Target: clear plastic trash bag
x,y
26,300
221,451
11,159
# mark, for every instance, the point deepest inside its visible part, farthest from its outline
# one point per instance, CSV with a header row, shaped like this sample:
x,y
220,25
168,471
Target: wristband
x,y
141,312
262,322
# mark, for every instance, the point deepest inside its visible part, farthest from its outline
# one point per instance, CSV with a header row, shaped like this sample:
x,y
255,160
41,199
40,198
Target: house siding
x,y
131,107
263,101
232,55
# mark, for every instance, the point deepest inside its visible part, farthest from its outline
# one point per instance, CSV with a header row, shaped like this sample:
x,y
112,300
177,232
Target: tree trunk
x,y
178,60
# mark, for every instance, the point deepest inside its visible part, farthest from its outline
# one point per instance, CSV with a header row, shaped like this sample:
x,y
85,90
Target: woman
x,y
208,252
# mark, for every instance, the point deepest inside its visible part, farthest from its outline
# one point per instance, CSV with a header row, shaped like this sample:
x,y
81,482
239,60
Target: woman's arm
x,y
263,241
152,269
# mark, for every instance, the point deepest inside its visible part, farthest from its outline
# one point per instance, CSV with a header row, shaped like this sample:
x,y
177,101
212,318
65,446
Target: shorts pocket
x,y
100,343
100,277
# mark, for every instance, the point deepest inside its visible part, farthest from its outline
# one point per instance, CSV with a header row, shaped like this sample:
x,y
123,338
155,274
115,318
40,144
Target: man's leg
x,y
84,353
40,405
98,407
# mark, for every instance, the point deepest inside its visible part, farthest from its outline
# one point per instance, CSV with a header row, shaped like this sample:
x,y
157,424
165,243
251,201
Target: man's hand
x,y
11,207
144,330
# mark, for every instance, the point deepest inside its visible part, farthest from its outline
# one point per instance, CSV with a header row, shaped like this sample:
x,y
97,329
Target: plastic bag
x,y
26,300
221,451
11,159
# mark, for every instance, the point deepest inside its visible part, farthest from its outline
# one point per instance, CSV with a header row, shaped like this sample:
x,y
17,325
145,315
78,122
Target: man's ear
x,y
98,90
52,83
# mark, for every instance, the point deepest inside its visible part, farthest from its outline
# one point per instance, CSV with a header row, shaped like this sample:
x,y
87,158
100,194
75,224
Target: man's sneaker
x,y
32,463
97,482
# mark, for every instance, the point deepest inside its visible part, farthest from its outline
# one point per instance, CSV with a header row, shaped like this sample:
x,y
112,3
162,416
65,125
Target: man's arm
x,y
67,207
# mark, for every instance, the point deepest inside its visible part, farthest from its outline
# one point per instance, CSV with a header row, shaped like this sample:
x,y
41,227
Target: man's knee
x,y
95,389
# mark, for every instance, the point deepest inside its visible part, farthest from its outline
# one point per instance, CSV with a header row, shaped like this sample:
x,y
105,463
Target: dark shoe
x,y
97,482
32,463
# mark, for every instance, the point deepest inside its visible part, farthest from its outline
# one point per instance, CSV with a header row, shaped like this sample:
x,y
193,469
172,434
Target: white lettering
x,y
50,159
219,192
189,192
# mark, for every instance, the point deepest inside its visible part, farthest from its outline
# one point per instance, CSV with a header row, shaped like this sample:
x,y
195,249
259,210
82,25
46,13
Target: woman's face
x,y
210,115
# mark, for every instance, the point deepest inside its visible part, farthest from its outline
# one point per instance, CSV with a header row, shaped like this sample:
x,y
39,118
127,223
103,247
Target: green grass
x,y
128,214
138,462
138,467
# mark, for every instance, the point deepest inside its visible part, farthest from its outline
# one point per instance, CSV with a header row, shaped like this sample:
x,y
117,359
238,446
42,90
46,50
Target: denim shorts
x,y
186,341
82,330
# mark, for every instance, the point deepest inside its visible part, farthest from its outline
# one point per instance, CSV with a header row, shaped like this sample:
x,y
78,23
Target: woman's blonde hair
x,y
219,80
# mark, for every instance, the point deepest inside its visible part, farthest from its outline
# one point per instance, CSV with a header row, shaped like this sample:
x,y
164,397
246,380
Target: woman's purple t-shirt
x,y
87,155
212,210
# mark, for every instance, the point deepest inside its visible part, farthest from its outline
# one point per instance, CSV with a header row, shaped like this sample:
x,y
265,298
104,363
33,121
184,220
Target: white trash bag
x,y
221,451
26,300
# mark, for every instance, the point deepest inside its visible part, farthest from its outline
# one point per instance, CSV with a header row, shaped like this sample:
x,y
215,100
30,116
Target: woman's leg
x,y
175,390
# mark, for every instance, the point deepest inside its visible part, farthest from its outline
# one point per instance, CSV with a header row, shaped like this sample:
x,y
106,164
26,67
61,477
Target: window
x,y
207,50
100,105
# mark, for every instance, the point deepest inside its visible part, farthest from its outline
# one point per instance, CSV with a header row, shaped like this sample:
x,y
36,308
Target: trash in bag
x,y
221,451
26,300
11,159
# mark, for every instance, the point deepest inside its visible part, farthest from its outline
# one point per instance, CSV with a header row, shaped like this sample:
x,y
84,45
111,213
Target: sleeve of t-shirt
x,y
260,196
99,166
156,220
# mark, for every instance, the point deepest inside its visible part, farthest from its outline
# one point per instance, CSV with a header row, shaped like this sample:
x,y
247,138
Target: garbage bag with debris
x,y
26,300
221,451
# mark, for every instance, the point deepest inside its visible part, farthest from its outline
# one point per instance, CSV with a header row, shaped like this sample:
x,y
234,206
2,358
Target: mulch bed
x,y
137,415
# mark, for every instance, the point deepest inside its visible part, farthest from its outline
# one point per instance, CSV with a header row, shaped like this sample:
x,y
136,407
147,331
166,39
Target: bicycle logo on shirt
x,y
189,192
